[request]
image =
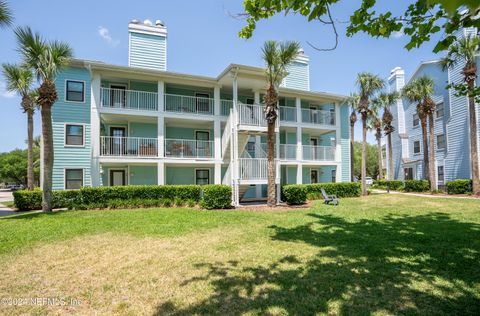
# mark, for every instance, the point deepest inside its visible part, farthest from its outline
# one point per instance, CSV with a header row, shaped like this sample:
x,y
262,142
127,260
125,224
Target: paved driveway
x,y
5,196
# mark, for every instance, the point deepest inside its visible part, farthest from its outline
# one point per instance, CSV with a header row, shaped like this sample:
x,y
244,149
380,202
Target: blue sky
x,y
202,40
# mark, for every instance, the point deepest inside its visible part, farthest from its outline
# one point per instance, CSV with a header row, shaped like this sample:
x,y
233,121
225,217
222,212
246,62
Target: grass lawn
x,y
382,255
8,204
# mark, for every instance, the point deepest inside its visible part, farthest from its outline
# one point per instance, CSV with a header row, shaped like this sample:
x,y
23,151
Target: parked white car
x,y
368,180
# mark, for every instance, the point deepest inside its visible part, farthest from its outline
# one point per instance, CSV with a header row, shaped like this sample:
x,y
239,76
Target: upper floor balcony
x,y
128,99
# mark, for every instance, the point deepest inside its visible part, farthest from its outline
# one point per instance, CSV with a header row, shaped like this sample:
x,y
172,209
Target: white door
x,y
117,177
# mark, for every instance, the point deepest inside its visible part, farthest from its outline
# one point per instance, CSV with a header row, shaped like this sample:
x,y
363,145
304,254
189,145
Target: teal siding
x,y
184,133
298,76
143,175
71,112
183,175
187,90
143,130
148,51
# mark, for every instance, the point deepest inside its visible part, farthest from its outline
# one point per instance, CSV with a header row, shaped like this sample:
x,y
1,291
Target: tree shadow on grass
x,y
427,264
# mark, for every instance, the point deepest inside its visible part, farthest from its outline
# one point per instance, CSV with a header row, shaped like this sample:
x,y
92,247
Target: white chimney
x,y
147,44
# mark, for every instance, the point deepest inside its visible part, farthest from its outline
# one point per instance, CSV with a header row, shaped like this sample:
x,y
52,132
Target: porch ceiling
x,y
187,123
125,118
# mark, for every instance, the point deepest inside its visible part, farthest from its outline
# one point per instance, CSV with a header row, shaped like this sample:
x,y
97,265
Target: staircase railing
x,y
227,133
252,168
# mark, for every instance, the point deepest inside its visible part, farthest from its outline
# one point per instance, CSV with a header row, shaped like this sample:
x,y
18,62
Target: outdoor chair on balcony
x,y
329,198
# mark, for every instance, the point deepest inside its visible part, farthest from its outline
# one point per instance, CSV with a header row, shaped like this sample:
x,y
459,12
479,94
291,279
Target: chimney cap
x,y
159,23
147,22
134,21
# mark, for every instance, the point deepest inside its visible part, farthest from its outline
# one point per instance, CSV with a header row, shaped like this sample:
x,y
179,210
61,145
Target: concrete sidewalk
x,y
426,195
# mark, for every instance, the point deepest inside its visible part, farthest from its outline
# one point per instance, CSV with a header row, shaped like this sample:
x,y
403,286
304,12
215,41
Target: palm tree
x,y
368,84
46,59
411,92
19,79
375,124
466,49
385,100
277,57
6,17
426,87
354,99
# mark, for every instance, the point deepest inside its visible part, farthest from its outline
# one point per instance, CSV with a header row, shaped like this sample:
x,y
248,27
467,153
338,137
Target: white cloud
x,y
398,34
4,93
105,34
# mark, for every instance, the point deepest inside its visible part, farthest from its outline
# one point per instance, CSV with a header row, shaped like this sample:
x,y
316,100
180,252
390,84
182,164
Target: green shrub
x,y
179,202
417,185
295,194
32,200
459,186
340,189
216,197
391,184
190,203
167,202
314,196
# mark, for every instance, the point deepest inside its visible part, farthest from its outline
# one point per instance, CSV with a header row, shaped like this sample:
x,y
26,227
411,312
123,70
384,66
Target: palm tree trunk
x,y
390,157
364,154
473,141
352,153
30,179
431,157
426,171
379,154
46,111
272,196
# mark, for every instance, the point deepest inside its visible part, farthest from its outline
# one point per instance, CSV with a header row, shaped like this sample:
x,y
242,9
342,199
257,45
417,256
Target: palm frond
x,y
6,17
277,57
369,84
18,79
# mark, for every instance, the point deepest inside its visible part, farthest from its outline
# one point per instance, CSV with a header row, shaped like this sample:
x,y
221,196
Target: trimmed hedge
x,y
128,196
32,200
391,184
297,193
417,185
459,186
216,197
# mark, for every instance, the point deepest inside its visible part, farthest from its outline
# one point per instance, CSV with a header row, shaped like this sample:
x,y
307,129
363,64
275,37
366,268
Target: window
x,y
416,147
313,176
334,176
75,91
441,175
74,135
416,120
408,173
202,176
441,141
440,110
73,179
332,116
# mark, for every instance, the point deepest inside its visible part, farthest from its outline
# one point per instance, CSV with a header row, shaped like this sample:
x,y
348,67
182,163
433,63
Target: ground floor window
x,y
334,175
202,176
441,175
73,179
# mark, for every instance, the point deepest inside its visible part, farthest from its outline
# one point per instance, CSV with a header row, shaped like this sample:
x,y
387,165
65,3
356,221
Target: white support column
x,y
217,134
218,173
160,173
299,173
234,143
298,106
258,187
161,135
216,101
256,97
95,130
161,96
338,144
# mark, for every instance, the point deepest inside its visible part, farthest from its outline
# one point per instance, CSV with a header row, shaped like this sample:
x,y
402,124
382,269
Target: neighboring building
x,y
143,125
452,144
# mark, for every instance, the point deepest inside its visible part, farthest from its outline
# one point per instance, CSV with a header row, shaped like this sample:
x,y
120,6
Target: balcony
x,y
225,107
318,153
128,146
253,169
251,115
288,152
128,99
288,114
189,148
321,117
188,104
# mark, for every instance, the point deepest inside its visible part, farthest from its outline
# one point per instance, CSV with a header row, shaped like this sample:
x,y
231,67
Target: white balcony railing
x,y
318,153
128,99
128,146
189,148
251,114
318,117
188,104
288,114
225,107
253,168
288,151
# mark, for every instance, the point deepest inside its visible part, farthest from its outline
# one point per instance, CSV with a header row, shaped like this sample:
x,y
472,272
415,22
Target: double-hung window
x,y
441,141
75,91
74,135
416,120
416,147
73,179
